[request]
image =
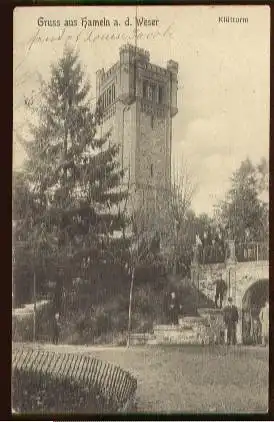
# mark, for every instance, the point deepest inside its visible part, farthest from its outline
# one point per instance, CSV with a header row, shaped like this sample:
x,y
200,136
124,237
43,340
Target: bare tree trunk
x,y
130,306
175,266
34,306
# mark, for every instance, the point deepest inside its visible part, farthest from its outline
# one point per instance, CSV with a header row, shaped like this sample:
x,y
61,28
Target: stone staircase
x,y
204,329
190,330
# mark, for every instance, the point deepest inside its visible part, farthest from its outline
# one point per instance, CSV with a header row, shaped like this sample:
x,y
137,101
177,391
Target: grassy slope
x,y
195,379
192,378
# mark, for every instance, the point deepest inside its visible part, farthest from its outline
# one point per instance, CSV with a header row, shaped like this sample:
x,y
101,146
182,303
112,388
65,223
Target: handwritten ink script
x,y
96,30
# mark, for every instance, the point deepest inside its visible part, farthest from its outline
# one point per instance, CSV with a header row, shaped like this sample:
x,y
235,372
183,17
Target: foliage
x,y
22,327
30,395
23,199
73,176
177,220
243,212
84,384
143,237
22,205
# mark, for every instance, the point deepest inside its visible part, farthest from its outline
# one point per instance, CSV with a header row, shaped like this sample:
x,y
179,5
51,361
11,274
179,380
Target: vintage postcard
x,y
141,209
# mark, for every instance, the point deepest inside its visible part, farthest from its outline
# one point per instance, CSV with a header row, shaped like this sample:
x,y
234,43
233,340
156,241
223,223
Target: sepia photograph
x,y
140,210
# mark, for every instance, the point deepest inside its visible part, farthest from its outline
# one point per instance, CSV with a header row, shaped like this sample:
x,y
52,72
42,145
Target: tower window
x,y
104,97
154,93
150,93
109,97
101,105
151,170
145,89
160,95
113,92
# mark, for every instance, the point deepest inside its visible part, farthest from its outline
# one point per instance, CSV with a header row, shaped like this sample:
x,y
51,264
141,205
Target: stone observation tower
x,y
139,100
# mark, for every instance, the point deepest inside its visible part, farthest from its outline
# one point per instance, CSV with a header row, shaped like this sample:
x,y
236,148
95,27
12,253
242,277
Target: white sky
x,y
224,77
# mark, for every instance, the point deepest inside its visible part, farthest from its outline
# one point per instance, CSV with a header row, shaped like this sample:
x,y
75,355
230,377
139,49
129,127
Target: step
x,y
141,338
184,333
203,329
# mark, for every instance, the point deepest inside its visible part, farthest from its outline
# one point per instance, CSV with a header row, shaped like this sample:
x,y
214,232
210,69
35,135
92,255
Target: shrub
x,y
22,325
88,318
36,393
42,383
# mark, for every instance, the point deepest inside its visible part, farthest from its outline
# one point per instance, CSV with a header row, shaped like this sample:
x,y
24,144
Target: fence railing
x,y
100,386
252,251
249,251
213,254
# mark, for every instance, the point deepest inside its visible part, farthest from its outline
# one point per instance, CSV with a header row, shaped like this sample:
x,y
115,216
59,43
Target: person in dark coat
x,y
220,292
172,308
231,318
56,328
256,331
247,326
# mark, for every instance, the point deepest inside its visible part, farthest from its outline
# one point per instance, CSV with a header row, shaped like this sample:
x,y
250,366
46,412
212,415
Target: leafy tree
x,y
242,212
22,205
263,176
141,240
159,229
177,226
74,176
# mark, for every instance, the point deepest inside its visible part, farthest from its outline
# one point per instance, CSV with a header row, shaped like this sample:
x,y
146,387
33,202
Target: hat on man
x,y
229,299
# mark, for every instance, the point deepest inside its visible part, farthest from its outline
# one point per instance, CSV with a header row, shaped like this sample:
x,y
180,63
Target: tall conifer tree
x,y
73,173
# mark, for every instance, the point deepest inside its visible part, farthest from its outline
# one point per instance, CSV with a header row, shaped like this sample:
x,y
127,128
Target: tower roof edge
x,y
173,66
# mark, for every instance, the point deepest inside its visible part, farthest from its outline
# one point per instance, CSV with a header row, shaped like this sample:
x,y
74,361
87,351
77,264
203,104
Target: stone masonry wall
x,y
240,277
248,273
207,275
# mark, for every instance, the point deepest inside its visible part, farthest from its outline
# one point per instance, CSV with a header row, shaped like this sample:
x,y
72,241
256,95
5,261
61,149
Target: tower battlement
x,y
173,67
132,50
105,76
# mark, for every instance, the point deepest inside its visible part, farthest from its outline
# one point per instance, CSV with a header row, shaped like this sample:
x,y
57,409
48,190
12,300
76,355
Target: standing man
x,y
56,328
264,319
221,289
231,318
256,331
173,308
247,332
